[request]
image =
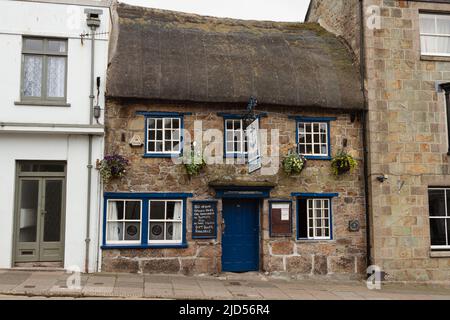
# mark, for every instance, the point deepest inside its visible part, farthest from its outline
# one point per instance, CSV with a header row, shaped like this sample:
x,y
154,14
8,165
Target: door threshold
x,y
50,269
38,266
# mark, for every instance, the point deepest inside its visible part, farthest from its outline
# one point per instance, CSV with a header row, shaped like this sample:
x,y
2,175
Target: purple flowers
x,y
113,166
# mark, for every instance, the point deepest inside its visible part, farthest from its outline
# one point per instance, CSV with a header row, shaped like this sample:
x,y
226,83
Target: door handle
x,y
43,212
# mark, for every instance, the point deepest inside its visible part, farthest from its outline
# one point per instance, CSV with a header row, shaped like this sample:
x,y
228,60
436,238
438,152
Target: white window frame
x,y
424,34
314,218
162,242
446,218
163,141
242,142
109,242
312,143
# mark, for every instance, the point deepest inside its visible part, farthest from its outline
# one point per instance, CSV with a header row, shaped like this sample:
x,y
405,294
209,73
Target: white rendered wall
x,y
72,149
19,18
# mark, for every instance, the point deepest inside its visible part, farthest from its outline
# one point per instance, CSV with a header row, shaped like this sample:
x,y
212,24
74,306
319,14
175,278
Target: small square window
x,y
314,220
235,138
313,139
163,136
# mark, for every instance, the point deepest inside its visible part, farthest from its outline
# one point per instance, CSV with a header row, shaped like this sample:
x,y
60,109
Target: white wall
x,y
52,147
19,18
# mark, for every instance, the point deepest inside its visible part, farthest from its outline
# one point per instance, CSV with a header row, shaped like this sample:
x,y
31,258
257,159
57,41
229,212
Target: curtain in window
x,y
56,72
114,229
177,226
32,75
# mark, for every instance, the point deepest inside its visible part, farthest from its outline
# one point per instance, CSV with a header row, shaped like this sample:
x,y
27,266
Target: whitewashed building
x,y
51,131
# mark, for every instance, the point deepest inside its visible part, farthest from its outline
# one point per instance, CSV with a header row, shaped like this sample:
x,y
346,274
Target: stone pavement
x,y
45,284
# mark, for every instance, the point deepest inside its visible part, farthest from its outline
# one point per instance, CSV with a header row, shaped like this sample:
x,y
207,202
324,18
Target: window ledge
x,y
314,241
324,158
440,254
434,58
162,155
147,246
42,103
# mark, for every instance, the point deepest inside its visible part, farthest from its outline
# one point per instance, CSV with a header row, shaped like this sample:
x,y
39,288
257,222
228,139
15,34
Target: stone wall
x,y
340,17
407,128
344,255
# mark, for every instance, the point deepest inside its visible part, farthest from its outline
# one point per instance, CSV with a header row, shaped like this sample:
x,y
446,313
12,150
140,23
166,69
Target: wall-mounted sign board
x,y
204,219
280,219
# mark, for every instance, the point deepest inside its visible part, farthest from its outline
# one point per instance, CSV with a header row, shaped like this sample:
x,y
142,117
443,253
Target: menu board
x,y
204,219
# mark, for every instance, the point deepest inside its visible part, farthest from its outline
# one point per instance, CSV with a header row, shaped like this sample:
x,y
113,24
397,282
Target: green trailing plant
x,y
342,162
194,163
112,166
293,163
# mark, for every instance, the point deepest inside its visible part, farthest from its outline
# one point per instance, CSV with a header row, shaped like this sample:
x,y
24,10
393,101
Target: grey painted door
x,y
40,218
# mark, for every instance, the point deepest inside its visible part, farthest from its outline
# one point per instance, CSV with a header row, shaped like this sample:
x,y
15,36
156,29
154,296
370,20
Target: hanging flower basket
x,y
194,162
112,167
342,163
293,163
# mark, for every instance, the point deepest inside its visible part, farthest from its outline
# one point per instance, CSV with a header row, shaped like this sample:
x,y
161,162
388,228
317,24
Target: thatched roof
x,y
166,55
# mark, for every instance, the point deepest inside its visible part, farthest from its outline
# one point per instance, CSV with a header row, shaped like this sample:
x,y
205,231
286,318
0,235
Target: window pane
x,y
133,210
156,231
29,206
157,210
33,44
114,231
132,231
427,24
443,24
173,231
428,44
443,45
436,199
151,123
437,232
174,210
176,123
56,70
115,210
32,76
58,46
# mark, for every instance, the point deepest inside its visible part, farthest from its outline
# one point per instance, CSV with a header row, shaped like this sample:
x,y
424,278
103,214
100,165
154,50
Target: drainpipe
x,y
93,23
446,88
362,66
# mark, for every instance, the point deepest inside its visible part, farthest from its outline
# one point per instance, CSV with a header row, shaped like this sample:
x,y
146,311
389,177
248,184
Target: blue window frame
x,y
314,216
163,134
144,220
235,135
313,137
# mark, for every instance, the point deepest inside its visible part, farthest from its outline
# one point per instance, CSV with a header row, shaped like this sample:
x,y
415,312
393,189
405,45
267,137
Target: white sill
x,y
425,57
440,254
42,103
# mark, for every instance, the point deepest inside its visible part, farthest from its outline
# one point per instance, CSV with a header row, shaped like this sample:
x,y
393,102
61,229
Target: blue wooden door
x,y
240,239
